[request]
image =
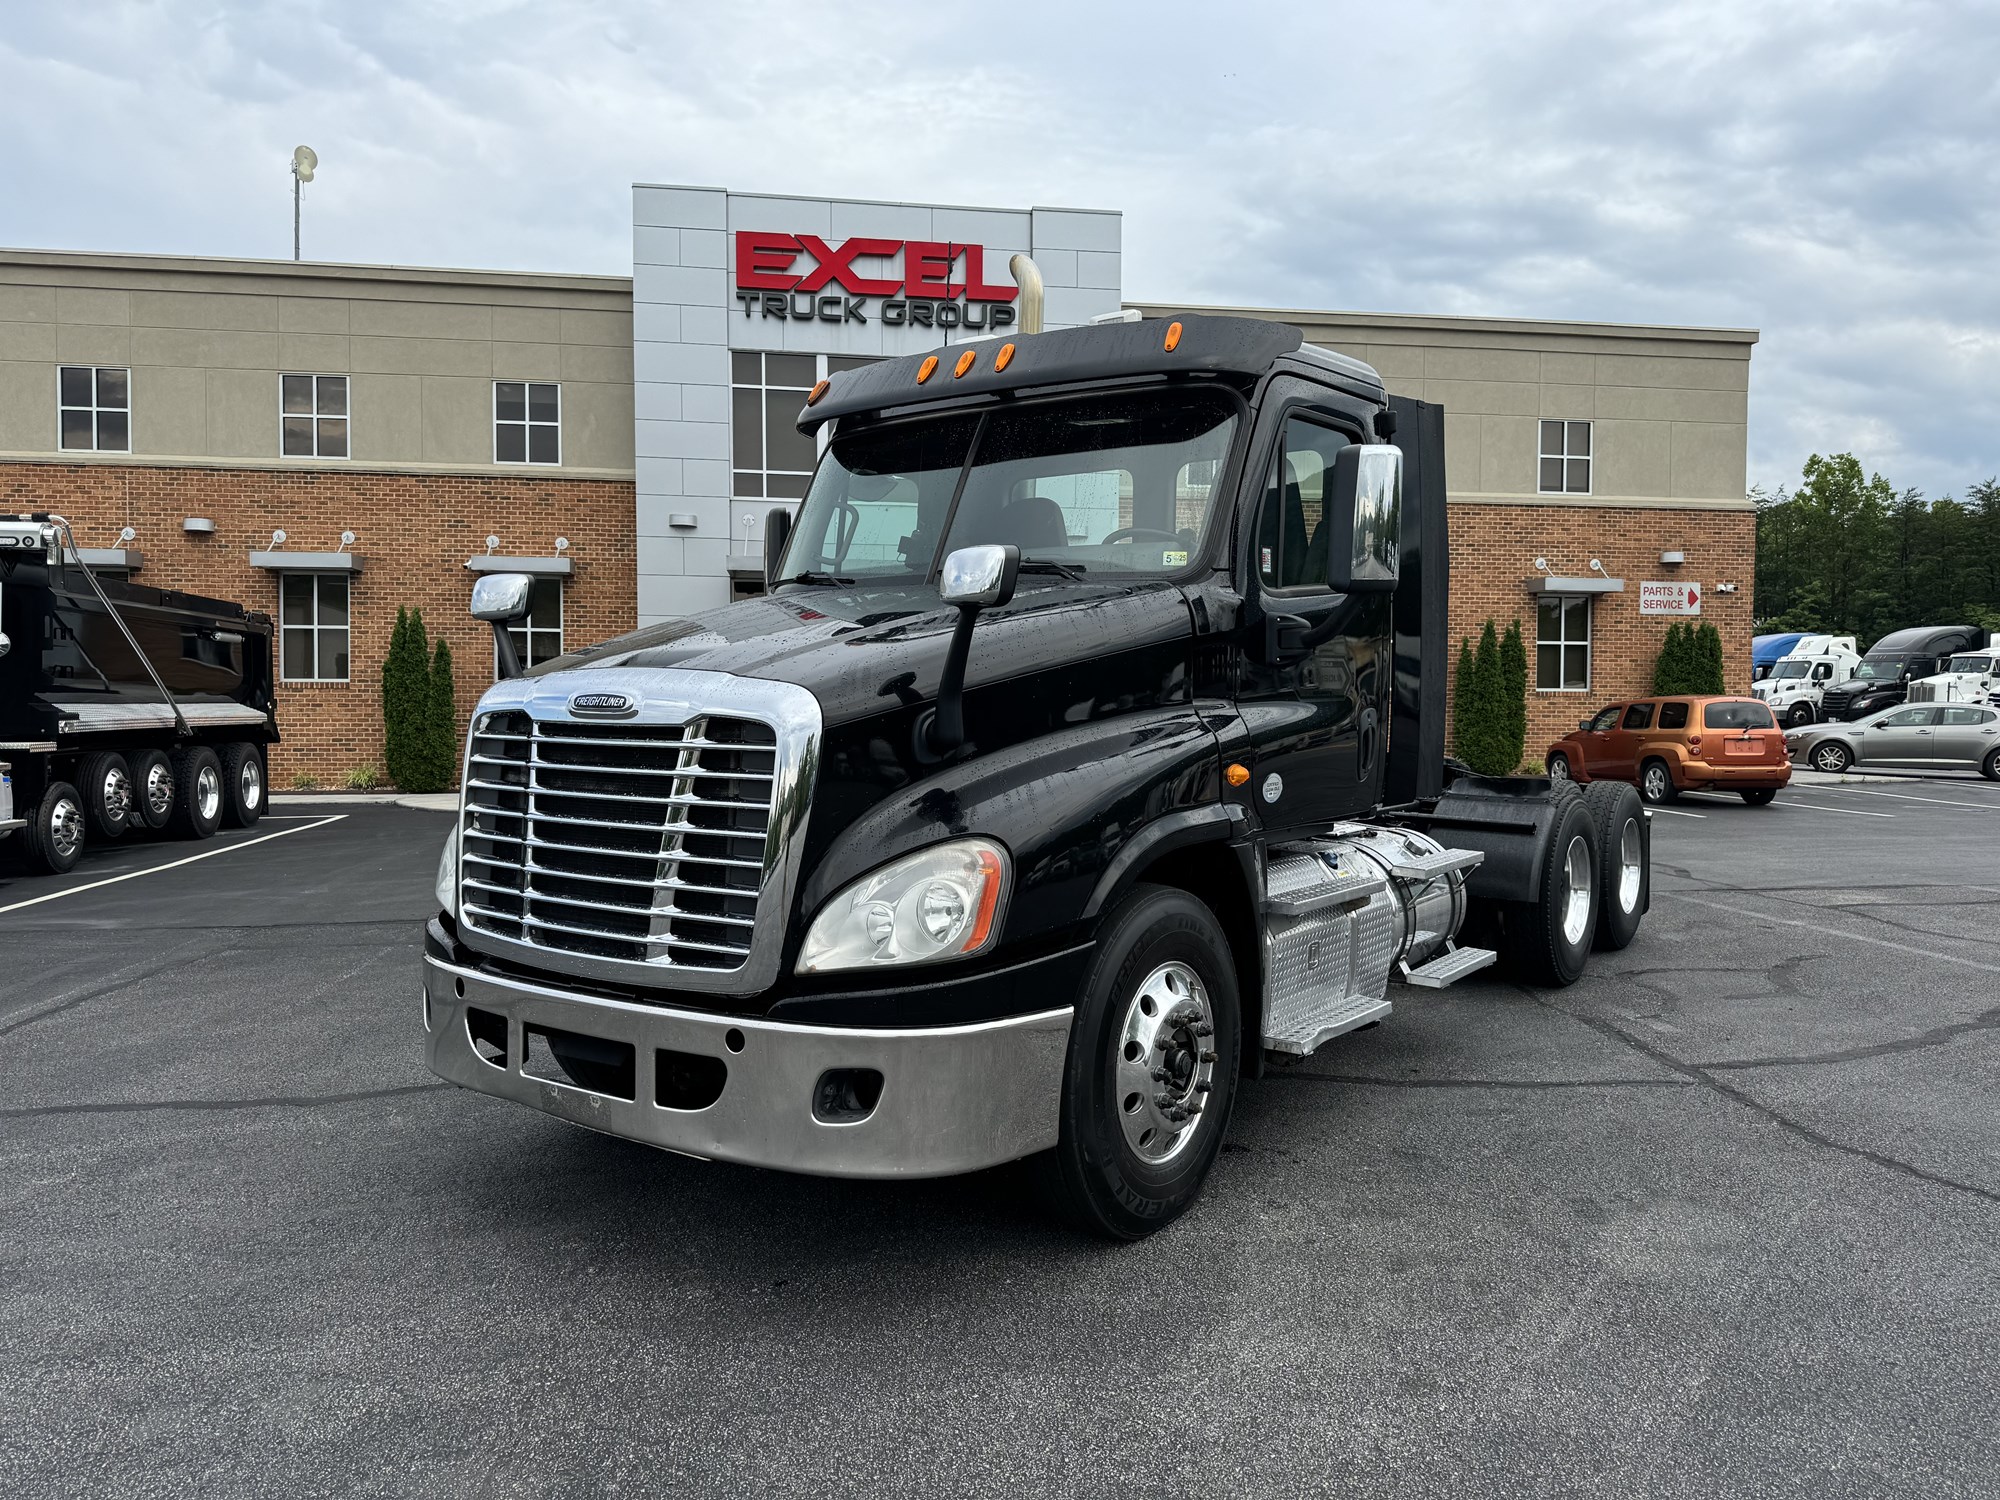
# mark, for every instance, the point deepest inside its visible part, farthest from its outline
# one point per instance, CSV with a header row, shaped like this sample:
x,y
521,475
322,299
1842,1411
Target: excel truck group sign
x,y
1669,598
921,283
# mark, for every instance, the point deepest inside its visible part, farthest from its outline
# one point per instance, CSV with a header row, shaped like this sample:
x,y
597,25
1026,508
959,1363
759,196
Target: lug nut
x,y
1204,1087
1208,1057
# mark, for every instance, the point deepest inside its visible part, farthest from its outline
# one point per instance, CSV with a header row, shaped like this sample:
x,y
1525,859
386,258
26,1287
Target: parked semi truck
x,y
1882,678
1799,679
123,708
1970,676
1085,758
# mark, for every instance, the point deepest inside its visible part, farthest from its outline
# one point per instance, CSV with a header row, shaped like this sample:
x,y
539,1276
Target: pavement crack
x,y
1937,1036
112,986
1701,1073
218,1106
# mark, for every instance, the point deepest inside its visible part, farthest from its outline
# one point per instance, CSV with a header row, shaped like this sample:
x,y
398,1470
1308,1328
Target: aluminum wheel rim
x,y
208,793
1656,782
159,790
1166,1063
66,828
1829,758
1558,769
252,785
1576,899
117,794
1628,866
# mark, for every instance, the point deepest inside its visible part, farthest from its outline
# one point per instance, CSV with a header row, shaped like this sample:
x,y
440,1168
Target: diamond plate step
x,y
1453,964
1415,867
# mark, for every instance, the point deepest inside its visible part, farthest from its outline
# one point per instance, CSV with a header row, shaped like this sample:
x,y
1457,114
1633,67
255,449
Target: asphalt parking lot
x,y
1724,1218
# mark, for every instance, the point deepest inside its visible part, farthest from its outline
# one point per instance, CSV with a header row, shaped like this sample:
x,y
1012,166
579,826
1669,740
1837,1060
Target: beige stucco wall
x,y
1668,406
207,339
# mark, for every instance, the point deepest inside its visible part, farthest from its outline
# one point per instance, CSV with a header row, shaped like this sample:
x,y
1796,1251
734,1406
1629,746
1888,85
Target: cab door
x,y
1314,682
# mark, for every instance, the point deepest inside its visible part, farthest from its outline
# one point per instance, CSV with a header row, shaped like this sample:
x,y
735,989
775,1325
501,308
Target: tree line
x,y
1847,554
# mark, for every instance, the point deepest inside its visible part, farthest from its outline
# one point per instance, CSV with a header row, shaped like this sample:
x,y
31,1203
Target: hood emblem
x,y
603,705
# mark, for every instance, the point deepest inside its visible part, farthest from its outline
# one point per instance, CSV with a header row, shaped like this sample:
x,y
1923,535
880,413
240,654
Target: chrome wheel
x,y
1657,783
159,791
1829,758
1558,768
250,785
1576,898
1166,1062
118,793
1629,871
66,828
208,793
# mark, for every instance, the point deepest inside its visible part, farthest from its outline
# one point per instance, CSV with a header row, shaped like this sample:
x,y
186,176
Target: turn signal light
x,y
927,369
817,392
1173,341
1236,775
964,363
1003,359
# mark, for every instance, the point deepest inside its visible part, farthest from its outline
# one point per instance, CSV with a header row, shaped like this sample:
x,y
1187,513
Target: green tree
x,y
1514,688
406,696
1485,746
1670,666
1708,673
441,721
1462,700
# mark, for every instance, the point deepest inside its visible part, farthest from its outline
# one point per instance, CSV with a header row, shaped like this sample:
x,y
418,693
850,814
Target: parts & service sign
x,y
1669,598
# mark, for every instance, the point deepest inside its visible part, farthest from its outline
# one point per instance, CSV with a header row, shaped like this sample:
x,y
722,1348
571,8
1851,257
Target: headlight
x,y
447,876
937,904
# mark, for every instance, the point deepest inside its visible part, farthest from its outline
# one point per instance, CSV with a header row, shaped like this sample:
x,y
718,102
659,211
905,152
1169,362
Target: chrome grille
x,y
640,843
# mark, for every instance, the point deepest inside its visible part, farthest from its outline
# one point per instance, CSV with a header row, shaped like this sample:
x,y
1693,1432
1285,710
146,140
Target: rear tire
x,y
1125,1165
1559,768
243,785
1758,796
1548,939
1656,782
198,794
1832,758
1624,873
54,835
106,784
152,790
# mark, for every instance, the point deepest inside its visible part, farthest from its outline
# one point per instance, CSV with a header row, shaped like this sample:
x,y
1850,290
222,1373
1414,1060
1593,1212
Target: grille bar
x,y
641,843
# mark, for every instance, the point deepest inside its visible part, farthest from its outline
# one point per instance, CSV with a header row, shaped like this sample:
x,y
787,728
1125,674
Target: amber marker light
x,y
964,363
1173,342
1004,358
927,369
1236,775
817,392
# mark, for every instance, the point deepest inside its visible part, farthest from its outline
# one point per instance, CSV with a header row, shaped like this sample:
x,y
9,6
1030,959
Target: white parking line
x,y
1855,791
78,890
1675,812
1852,812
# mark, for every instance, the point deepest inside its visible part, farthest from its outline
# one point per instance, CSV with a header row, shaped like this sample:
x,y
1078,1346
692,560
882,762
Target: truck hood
x,y
865,649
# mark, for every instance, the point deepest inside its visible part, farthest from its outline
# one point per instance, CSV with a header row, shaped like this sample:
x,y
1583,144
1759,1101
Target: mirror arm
x,y
947,725
503,643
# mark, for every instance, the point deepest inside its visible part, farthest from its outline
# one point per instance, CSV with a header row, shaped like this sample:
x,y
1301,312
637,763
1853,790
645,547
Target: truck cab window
x,y
1291,542
878,500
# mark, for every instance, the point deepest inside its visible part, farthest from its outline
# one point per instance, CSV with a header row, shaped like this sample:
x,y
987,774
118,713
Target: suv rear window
x,y
1673,716
1738,715
1639,716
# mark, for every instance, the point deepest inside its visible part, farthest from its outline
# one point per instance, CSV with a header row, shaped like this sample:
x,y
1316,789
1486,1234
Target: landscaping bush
x,y
442,721
1490,713
419,712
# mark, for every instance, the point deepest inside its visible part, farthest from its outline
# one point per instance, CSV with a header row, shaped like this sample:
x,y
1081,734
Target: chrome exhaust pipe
x,y
1028,277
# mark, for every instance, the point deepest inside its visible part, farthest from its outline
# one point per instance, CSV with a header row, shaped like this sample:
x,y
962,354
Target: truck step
x,y
1406,864
1450,965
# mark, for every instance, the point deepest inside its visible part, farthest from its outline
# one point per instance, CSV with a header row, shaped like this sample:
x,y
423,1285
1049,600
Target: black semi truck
x,y
123,709
1085,758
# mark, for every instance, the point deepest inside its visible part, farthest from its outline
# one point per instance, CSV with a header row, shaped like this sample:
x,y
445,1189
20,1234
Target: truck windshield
x,y
1791,669
1112,484
1981,664
1881,668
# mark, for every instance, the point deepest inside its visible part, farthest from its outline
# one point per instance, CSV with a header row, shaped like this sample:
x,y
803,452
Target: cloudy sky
x,y
1824,171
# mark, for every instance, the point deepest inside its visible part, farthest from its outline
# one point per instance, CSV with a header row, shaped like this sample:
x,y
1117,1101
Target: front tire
x,y
1799,713
1656,783
1559,768
54,834
1151,1075
1624,874
198,796
1990,767
106,783
1832,758
1549,938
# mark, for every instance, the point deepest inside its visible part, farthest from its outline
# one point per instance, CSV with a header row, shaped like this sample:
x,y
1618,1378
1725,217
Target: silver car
x,y
1917,736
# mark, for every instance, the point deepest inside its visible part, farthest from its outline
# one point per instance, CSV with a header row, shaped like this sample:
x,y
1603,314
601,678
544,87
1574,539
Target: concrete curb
x,y
421,801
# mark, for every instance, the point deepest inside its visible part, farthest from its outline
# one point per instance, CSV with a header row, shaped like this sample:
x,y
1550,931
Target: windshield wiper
x,y
1072,571
809,576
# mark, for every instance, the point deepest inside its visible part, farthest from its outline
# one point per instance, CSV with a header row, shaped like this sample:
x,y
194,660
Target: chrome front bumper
x,y
954,1098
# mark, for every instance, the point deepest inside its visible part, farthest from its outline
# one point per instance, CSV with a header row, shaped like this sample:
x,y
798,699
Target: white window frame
x,y
527,425
314,628
94,409
1562,641
821,371
347,415
1588,458
525,633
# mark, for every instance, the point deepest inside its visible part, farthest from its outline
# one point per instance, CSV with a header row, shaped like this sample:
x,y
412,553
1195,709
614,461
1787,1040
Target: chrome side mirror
x,y
980,576
1365,504
502,598
6,645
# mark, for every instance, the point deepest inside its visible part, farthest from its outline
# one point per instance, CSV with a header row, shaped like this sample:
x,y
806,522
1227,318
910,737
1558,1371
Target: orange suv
x,y
1666,746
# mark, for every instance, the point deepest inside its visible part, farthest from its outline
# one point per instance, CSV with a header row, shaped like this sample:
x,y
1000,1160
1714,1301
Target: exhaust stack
x,y
1028,277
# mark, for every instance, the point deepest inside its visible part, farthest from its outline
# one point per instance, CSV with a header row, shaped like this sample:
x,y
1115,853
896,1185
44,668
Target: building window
x,y
527,422
312,410
539,638
771,458
1565,458
95,408
1562,645
313,617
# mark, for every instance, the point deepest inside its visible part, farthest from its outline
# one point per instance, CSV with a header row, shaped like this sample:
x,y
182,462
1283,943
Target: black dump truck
x,y
1085,758
123,708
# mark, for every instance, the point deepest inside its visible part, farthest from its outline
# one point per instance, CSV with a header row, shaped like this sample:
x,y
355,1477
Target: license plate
x,y
1743,747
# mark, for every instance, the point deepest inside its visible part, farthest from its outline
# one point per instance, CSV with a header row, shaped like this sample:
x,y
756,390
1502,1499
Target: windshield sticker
x,y
1173,559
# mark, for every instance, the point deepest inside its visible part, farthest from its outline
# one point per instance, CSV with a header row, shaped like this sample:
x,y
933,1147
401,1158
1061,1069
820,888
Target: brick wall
x,y
1493,548
414,534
